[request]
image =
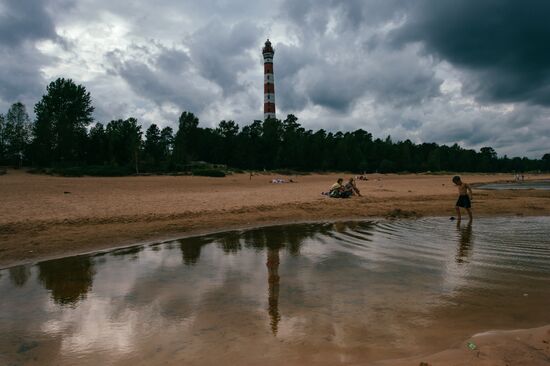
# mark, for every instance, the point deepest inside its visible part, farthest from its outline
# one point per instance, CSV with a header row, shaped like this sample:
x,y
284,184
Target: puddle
x,y
539,185
316,294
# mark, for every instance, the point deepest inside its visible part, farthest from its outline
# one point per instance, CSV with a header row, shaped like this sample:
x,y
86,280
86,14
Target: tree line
x,y
64,134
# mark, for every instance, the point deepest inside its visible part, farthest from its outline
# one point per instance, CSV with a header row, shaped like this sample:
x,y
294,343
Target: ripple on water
x,y
311,293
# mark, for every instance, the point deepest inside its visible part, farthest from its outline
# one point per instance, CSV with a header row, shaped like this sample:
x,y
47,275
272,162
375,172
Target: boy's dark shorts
x,y
464,201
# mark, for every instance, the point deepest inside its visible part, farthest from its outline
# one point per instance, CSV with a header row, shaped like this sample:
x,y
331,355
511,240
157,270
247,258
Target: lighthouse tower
x,y
269,82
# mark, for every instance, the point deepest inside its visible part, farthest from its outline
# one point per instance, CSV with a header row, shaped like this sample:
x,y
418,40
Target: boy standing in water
x,y
464,197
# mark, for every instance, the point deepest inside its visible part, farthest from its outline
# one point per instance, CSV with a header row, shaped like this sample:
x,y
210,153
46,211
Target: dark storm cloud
x,y
24,20
221,52
332,66
397,79
20,74
425,70
22,23
313,16
156,75
502,44
289,93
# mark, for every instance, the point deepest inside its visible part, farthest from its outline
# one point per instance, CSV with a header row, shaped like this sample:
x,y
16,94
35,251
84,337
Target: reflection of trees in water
x,y
191,248
19,275
464,242
289,237
230,242
132,252
68,279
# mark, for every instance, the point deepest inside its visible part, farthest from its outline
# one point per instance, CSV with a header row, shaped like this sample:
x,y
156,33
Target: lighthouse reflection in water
x,y
310,293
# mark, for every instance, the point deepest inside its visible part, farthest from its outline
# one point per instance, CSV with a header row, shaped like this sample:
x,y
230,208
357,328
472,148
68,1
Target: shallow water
x,y
539,185
321,294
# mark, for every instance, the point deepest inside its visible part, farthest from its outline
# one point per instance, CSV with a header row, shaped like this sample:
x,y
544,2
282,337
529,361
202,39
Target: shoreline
x,y
50,217
43,222
206,232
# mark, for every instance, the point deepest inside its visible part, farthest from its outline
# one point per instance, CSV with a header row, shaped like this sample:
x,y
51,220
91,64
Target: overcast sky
x,y
472,72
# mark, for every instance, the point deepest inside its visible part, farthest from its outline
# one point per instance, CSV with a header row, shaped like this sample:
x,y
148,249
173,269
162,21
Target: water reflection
x,y
273,283
464,241
19,275
68,279
191,249
230,243
309,294
131,252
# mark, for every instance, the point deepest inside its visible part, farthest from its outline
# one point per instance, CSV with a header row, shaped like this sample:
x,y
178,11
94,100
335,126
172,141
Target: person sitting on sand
x,y
351,187
337,190
464,197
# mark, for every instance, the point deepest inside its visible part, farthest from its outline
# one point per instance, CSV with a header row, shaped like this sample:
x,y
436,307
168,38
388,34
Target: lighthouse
x,y
269,82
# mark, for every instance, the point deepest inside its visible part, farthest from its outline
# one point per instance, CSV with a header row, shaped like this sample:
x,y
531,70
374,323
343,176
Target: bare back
x,y
463,189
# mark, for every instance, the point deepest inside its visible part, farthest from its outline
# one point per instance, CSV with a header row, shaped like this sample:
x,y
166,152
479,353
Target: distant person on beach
x,y
337,190
352,187
464,197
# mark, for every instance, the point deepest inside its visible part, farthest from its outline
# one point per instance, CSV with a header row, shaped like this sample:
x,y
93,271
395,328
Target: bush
x,y
209,173
94,170
289,172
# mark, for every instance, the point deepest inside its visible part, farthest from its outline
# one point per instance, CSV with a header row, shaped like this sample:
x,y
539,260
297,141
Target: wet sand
x,y
517,347
46,217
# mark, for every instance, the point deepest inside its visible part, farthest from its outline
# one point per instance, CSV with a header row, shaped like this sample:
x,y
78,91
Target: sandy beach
x,y
46,216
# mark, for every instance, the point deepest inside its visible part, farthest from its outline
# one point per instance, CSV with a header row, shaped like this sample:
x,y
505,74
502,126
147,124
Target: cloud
x,y
22,24
476,73
151,73
22,21
222,52
502,45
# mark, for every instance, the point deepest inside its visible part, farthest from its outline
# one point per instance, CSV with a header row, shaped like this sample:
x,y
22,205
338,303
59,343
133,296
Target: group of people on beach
x,y
341,190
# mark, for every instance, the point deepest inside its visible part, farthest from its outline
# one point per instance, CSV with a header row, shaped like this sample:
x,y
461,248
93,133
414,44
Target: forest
x,y
65,139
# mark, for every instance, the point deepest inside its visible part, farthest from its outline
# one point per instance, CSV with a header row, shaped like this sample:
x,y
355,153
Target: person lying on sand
x,y
281,180
351,187
464,197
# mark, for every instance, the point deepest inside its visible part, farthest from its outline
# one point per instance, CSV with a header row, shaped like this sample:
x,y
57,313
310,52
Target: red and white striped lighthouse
x,y
269,82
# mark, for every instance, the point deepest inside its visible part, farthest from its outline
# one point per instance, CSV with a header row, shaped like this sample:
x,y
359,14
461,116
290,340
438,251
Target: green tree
x,y
487,161
97,145
3,158
185,141
227,131
152,147
17,134
546,162
271,142
124,141
291,154
166,142
62,116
